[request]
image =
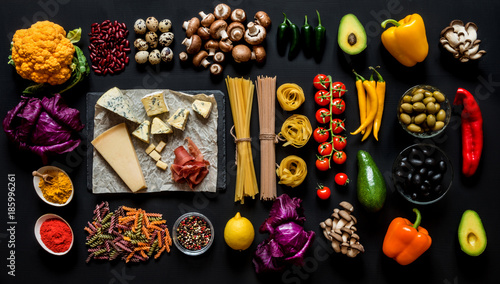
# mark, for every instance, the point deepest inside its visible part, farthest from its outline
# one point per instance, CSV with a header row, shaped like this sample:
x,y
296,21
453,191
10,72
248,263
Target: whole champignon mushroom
x,y
191,26
255,34
258,53
263,19
215,69
193,44
183,56
206,19
219,57
218,30
203,33
226,45
238,15
211,46
236,31
200,59
222,11
241,53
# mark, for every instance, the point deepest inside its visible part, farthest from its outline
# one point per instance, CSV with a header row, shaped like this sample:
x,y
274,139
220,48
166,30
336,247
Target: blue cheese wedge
x,y
155,104
179,119
142,132
160,127
202,108
114,101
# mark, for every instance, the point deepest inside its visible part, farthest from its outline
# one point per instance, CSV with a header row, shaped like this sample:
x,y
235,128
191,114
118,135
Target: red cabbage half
x,y
44,126
288,241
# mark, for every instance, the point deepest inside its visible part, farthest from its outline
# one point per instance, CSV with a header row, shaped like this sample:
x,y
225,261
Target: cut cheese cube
x,y
160,127
114,101
202,108
155,104
155,155
179,119
162,165
116,148
150,148
160,146
142,132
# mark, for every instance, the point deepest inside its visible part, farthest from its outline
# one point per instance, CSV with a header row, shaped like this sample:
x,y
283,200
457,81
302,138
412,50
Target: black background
x,y
444,262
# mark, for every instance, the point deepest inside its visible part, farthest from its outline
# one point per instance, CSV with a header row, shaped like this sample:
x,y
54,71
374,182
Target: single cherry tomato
x,y
323,115
341,179
321,135
339,142
322,163
325,149
338,89
337,125
323,192
321,82
339,157
338,106
322,97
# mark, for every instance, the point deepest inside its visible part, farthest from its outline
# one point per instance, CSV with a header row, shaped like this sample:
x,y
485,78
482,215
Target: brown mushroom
x,y
255,34
236,31
206,19
183,56
211,46
222,11
263,19
201,59
355,249
347,206
218,29
193,44
344,247
238,15
191,26
215,69
225,45
203,33
258,53
219,57
241,53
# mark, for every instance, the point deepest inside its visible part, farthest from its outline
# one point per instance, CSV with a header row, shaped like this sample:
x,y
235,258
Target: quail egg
x,y
140,27
166,38
152,24
154,57
141,44
166,54
152,39
165,25
141,57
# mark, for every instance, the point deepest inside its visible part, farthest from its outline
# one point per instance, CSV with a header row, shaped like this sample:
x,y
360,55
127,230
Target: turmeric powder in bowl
x,y
58,191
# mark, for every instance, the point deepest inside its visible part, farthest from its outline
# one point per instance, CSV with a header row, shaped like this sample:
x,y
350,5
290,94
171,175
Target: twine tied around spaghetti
x,y
236,141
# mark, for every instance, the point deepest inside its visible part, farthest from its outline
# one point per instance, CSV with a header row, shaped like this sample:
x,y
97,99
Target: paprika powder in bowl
x,y
424,111
54,234
56,189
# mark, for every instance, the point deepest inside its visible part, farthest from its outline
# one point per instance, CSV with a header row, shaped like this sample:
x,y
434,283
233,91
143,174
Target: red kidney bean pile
x,y
109,47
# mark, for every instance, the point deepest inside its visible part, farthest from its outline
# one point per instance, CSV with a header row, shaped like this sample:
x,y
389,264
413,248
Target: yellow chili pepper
x,y
372,101
361,101
381,99
406,41
368,108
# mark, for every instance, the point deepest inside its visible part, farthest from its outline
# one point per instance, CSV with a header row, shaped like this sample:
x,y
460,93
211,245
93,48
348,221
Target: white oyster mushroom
x,y
461,40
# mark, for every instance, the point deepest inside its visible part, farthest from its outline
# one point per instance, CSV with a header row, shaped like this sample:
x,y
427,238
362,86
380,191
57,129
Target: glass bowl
x,y
415,174
179,244
425,131
38,236
36,184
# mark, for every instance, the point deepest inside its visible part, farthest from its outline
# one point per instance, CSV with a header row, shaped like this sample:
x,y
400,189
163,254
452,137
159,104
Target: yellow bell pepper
x,y
406,41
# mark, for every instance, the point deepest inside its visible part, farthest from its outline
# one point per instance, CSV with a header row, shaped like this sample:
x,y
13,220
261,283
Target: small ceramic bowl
x,y
180,246
39,223
36,184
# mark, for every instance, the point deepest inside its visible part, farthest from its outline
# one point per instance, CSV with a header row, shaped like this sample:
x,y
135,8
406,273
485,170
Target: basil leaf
x,y
75,35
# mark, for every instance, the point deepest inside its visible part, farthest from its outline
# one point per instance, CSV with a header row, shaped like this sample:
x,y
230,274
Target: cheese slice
x,y
160,127
116,148
202,108
179,119
155,104
142,132
114,101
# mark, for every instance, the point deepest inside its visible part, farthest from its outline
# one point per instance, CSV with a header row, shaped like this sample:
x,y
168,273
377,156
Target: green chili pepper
x,y
283,36
294,40
307,32
319,35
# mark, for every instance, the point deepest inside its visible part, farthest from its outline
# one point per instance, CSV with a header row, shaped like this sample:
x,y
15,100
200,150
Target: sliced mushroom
x,y
193,44
241,53
215,69
255,34
236,31
200,59
218,30
222,11
206,19
238,15
191,26
183,56
226,45
203,33
211,46
263,19
219,57
258,53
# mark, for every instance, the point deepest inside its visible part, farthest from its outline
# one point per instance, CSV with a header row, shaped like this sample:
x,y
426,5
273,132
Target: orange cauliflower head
x,y
42,53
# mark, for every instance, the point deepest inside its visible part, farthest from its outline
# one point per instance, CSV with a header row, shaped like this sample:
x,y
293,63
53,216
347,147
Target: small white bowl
x,y
38,224
36,184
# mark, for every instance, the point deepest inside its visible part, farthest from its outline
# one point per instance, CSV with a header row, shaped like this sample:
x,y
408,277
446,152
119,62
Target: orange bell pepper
x,y
404,241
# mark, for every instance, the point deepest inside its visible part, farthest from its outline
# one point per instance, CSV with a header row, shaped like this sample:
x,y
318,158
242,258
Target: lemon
x,y
239,232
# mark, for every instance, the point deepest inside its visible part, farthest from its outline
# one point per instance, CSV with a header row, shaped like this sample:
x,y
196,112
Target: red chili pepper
x,y
472,131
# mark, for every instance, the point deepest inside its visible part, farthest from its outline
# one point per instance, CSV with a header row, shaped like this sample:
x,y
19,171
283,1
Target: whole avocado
x,y
371,187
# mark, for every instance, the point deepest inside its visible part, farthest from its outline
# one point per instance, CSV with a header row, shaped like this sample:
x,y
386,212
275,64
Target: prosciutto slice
x,y
189,167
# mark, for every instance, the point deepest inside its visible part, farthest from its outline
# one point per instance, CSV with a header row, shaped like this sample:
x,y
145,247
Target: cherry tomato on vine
x,y
325,149
338,89
338,106
323,192
337,125
341,179
339,142
321,82
339,157
322,163
321,135
323,115
322,97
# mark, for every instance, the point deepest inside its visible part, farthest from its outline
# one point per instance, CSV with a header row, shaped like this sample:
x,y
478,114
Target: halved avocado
x,y
352,35
471,234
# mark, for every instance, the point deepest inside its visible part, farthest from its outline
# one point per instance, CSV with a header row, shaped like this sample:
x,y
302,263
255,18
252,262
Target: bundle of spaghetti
x,y
290,96
266,87
296,130
240,92
292,171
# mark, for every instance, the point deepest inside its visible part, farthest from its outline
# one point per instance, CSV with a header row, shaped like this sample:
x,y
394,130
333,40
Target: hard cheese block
x,y
155,103
160,127
179,118
142,132
202,108
116,148
114,101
